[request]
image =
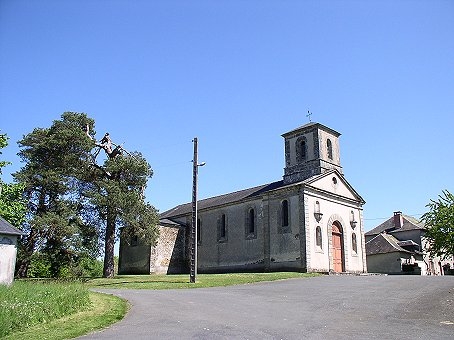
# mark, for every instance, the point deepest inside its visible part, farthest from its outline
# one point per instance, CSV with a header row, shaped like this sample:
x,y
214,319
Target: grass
x,y
25,304
104,311
182,281
55,310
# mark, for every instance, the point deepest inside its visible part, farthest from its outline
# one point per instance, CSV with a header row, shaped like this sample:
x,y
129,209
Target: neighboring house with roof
x,y
397,246
311,220
8,251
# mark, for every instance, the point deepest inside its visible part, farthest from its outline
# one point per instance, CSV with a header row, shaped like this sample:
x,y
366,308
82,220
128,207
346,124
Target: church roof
x,y
233,197
409,223
186,208
383,244
309,126
8,229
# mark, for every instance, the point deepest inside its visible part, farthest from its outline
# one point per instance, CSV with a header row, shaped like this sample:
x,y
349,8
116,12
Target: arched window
x,y
285,213
329,146
354,243
251,221
301,149
318,236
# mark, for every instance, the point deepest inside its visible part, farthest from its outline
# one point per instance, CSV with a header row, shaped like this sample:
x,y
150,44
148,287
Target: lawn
x,y
182,281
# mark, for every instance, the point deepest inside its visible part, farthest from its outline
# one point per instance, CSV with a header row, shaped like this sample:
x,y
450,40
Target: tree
x,y
74,201
12,204
3,144
116,196
55,158
440,222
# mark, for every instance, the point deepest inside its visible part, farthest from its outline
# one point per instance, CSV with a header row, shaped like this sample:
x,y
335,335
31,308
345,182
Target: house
x,y
8,251
311,220
397,246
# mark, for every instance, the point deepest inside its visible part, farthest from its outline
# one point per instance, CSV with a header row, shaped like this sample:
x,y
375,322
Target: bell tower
x,y
310,150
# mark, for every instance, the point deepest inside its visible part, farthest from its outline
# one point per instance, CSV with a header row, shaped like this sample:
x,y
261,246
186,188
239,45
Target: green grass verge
x,y
27,303
182,281
104,311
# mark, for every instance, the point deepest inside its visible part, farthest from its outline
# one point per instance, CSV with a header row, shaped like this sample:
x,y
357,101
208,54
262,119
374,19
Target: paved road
x,y
328,307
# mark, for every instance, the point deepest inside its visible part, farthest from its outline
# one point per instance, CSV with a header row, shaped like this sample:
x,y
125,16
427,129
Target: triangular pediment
x,y
334,182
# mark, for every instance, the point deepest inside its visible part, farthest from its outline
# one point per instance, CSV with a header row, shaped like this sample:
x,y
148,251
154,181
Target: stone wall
x,y
134,258
169,254
239,249
389,263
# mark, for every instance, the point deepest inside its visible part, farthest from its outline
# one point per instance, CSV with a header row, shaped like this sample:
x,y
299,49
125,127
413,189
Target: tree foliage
x,y
12,204
54,159
3,144
440,222
74,203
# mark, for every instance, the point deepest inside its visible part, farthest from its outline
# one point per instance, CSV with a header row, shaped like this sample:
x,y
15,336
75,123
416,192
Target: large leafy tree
x,y
54,159
115,196
12,204
440,222
73,200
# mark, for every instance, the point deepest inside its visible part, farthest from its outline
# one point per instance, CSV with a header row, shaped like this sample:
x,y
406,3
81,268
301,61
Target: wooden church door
x,y
337,240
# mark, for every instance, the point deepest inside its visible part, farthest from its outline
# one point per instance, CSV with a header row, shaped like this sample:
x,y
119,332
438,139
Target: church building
x,y
310,221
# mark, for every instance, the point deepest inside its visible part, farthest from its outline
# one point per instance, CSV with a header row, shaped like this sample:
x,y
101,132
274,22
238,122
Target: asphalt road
x,y
328,307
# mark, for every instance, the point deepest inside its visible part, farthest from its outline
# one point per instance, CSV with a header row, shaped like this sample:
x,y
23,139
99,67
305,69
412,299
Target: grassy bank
x,y
182,281
27,303
104,310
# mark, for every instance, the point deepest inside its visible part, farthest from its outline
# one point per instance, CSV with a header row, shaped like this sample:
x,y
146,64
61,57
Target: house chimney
x,y
398,220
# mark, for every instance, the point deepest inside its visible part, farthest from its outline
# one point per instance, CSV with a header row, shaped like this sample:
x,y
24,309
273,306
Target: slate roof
x,y
184,209
410,223
382,244
168,222
407,243
8,229
311,124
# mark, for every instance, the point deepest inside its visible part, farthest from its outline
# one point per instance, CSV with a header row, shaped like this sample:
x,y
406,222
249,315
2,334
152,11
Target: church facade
x,y
310,221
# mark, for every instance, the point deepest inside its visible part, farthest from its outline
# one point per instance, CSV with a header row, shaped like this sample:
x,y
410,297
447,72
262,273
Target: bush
x,y
27,303
82,266
39,266
87,267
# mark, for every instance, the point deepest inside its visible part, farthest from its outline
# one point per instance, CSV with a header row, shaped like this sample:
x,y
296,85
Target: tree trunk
x,y
26,253
22,270
109,270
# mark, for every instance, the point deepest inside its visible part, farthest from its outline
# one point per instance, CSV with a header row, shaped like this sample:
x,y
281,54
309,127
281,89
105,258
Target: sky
x,y
237,75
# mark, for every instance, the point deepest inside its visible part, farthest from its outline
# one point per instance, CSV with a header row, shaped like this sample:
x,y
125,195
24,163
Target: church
x,y
309,221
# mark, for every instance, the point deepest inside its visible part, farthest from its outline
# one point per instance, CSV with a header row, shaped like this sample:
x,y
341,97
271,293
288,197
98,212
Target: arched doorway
x,y
337,247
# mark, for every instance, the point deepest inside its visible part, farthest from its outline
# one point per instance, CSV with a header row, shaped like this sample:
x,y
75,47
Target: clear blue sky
x,y
238,74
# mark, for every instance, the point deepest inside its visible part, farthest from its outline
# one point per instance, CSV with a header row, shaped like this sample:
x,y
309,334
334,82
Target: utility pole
x,y
193,234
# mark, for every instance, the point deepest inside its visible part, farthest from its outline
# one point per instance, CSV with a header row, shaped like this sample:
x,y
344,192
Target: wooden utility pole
x,y
193,242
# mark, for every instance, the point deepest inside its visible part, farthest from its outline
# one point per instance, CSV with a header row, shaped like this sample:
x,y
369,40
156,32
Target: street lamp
x,y
193,251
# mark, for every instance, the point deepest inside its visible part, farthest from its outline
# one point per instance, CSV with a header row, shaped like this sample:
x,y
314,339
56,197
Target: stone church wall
x,y
169,254
320,258
284,241
239,249
134,258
